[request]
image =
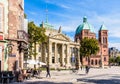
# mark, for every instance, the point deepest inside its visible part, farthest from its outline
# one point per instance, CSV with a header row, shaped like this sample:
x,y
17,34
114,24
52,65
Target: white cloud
x,y
33,12
111,21
64,6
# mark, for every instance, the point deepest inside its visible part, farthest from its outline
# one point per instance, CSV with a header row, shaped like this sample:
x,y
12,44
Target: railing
x,y
22,35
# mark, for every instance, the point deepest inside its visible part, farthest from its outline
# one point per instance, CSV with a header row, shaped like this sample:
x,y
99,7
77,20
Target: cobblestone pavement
x,y
95,76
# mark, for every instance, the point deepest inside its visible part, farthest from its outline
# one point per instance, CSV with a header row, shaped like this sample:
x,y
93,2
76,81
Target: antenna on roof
x,y
46,13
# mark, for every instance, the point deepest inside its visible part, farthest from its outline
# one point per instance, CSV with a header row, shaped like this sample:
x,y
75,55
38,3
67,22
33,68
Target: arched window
x,y
106,40
99,62
103,39
92,62
104,58
95,62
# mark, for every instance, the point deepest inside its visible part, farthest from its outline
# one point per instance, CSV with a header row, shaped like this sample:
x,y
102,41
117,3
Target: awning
x,y
34,62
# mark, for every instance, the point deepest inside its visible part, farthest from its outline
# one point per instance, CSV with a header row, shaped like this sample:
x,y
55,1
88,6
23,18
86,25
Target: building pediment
x,y
60,37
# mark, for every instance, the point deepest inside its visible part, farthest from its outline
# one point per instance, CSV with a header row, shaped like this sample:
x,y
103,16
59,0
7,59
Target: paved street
x,y
95,76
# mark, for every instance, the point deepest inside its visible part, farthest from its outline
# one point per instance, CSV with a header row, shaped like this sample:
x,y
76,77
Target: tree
x,y
36,36
25,16
88,47
111,60
117,60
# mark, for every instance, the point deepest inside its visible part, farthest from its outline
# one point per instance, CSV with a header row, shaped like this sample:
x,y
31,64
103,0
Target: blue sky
x,y
69,14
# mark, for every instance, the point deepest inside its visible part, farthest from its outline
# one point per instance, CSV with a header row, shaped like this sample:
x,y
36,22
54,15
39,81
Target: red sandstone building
x,y
87,30
13,34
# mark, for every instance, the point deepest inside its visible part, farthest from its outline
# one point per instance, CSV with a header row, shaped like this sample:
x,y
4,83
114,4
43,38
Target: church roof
x,y
84,25
103,27
47,25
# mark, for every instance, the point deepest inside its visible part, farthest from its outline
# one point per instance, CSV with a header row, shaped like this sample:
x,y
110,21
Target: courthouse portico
x,y
58,51
61,49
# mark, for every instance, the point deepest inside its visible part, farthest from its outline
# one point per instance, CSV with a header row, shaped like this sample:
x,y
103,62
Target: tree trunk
x,y
81,60
88,60
35,51
35,54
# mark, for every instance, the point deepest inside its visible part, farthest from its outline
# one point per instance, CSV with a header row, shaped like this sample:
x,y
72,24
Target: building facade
x,y
113,52
58,51
87,30
13,35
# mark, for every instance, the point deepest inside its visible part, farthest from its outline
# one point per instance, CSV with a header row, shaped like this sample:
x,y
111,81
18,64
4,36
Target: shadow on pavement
x,y
116,76
46,82
82,74
100,81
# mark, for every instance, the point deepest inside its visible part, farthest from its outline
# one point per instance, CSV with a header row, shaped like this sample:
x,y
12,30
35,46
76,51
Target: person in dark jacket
x,y
48,71
87,69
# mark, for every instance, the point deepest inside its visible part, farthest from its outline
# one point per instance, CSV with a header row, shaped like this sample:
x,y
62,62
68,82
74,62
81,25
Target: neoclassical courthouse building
x,y
60,51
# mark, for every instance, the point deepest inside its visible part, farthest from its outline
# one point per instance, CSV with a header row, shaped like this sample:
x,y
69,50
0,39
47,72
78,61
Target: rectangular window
x,y
53,59
1,14
58,59
53,49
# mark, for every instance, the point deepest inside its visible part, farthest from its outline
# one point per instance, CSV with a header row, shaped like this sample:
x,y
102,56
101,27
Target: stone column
x,y
43,52
68,56
21,60
62,55
79,63
50,53
56,58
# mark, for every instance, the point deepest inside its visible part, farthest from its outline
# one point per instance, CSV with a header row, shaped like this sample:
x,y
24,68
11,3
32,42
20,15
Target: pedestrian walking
x,y
87,69
48,71
81,67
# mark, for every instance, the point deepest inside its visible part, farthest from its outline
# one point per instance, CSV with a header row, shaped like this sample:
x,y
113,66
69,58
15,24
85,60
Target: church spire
x,y
46,14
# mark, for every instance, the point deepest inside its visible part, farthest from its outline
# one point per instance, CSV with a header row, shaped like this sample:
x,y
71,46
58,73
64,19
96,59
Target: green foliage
x,y
25,16
117,60
111,60
36,36
88,47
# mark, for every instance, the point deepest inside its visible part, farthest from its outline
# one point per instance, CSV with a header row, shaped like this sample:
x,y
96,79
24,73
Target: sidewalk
x,y
95,76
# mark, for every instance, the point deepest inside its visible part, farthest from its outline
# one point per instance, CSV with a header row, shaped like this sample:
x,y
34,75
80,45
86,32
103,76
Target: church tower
x,y
103,41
